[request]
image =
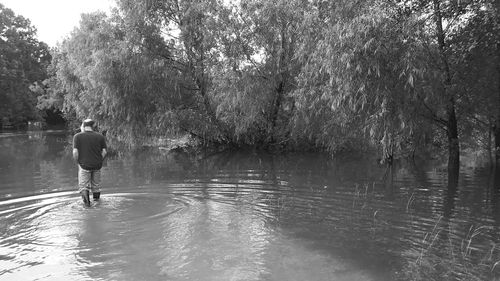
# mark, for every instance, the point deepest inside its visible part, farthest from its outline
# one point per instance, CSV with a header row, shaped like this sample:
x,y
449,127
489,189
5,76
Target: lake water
x,y
242,216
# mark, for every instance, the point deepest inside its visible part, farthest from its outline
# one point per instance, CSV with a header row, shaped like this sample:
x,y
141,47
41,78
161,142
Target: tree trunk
x,y
451,124
497,140
202,86
198,71
276,105
280,89
497,121
453,144
451,192
489,143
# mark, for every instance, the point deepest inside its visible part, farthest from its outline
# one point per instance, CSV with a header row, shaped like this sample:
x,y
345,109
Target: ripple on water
x,y
183,231
36,229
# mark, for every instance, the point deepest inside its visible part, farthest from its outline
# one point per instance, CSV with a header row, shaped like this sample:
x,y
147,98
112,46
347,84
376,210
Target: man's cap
x,y
88,122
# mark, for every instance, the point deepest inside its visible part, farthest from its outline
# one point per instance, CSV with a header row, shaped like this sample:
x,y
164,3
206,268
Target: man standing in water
x,y
89,150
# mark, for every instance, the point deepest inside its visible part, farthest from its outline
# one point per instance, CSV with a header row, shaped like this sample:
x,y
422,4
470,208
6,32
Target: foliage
x,y
295,74
476,47
105,75
239,60
182,35
360,75
386,72
23,60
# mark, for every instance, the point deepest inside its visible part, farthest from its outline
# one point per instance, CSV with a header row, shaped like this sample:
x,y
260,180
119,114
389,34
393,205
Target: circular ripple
x,y
57,228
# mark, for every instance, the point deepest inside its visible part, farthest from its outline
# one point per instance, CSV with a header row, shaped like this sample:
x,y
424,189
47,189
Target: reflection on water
x,y
240,216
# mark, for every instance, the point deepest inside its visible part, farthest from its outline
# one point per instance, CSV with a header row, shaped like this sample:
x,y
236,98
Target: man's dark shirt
x,y
89,145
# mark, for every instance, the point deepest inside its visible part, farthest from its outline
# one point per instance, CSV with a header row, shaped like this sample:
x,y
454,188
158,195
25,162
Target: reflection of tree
x,y
303,169
216,239
56,176
34,163
451,191
496,197
417,169
35,135
388,179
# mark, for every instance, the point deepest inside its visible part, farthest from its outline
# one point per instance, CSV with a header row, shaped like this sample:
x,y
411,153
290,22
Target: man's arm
x,y
104,147
75,154
76,144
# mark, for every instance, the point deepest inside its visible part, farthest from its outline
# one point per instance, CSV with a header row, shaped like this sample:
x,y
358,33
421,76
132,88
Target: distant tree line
x,y
295,74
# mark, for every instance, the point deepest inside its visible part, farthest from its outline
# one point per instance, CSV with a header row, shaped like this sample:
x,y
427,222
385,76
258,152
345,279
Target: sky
x,y
55,19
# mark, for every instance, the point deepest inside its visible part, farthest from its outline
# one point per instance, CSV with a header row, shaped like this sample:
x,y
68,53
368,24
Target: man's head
x,y
88,123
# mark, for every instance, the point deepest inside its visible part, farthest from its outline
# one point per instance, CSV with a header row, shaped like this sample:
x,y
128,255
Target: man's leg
x,y
96,184
84,183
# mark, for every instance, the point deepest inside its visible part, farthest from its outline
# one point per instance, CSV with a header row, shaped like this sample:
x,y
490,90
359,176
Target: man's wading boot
x,y
96,195
86,198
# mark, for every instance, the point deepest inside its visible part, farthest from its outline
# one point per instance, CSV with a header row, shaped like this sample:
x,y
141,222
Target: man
x,y
89,150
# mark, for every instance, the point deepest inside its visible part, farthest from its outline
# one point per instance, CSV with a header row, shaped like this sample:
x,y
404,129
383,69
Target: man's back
x,y
90,145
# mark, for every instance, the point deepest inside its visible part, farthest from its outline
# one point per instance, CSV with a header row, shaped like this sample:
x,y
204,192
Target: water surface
x,y
240,216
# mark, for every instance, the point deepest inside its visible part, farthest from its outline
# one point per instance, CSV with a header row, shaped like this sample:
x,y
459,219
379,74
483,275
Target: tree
x,y
475,47
240,59
388,67
105,75
303,74
188,31
359,78
23,60
496,35
451,22
253,85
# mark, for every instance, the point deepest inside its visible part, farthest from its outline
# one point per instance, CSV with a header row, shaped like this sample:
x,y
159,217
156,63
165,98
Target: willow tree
x,y
239,57
476,60
496,35
276,33
388,67
360,76
445,89
107,76
253,85
189,31
326,74
449,23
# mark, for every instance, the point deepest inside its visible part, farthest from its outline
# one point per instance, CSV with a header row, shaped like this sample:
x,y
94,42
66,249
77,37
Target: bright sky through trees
x,y
55,19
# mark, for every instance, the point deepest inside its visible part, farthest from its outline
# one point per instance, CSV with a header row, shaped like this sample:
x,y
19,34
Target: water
x,y
241,216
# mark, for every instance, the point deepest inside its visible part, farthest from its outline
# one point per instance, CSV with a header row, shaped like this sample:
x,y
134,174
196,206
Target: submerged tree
x,y
494,34
388,67
186,32
476,62
456,29
239,58
361,75
297,74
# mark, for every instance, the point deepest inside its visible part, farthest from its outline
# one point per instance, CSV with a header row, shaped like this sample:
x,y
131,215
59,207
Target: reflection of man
x,y
89,150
